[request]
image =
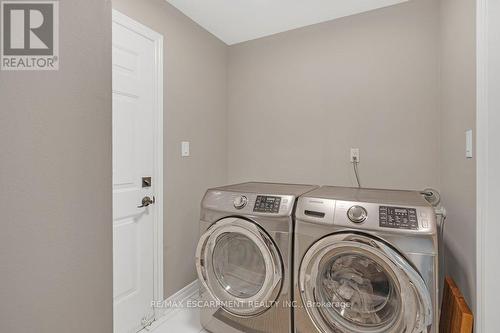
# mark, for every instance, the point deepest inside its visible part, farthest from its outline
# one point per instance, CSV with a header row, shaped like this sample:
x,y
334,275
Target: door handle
x,y
146,201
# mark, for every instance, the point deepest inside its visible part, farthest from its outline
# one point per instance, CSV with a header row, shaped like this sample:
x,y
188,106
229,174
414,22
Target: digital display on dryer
x,y
398,218
267,204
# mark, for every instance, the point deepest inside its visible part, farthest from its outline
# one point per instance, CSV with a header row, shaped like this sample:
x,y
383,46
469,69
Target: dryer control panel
x,y
398,217
267,204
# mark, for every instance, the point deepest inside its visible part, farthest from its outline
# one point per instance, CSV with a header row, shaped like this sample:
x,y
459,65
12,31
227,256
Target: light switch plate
x,y
468,144
185,149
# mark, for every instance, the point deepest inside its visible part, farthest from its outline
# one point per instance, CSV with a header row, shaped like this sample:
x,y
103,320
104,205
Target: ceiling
x,y
236,21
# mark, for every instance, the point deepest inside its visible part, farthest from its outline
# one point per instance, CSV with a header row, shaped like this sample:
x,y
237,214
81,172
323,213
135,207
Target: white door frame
x,y
157,39
488,162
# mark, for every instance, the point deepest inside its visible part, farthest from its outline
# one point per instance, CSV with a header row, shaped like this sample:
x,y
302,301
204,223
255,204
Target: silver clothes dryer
x,y
366,261
244,257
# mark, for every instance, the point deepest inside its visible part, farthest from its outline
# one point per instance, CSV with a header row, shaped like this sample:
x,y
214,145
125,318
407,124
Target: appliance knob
x,y
357,214
240,202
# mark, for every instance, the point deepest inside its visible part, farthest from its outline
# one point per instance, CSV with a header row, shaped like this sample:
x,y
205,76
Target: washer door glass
x,y
239,265
355,283
360,290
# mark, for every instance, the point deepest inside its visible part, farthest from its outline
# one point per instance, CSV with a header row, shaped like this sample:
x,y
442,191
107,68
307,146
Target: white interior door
x,y
134,157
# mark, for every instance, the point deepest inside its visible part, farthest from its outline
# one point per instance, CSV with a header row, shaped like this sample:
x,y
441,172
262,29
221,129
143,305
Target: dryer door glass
x,y
239,265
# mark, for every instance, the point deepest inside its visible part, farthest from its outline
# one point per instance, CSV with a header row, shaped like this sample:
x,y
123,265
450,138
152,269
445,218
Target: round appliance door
x,y
240,266
355,283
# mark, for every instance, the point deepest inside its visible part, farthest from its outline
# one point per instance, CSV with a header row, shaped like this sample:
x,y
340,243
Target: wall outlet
x,y
354,155
185,149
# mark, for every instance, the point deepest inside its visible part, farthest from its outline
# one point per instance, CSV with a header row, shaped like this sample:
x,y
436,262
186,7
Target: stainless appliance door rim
x,y
268,293
413,290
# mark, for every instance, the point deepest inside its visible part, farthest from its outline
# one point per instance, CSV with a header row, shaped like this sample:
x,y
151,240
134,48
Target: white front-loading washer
x,y
366,261
244,257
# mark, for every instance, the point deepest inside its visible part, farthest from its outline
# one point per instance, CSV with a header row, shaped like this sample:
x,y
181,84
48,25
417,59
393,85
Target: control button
x,y
240,202
357,214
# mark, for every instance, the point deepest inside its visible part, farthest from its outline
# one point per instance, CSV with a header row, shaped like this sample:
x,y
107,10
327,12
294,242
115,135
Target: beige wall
x,y
195,110
399,83
458,112
369,81
395,82
55,184
299,100
383,81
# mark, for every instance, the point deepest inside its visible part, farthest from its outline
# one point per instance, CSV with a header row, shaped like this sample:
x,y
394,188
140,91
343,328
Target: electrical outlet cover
x,y
354,154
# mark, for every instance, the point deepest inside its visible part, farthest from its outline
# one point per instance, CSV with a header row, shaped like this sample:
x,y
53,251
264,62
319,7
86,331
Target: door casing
x,y
487,162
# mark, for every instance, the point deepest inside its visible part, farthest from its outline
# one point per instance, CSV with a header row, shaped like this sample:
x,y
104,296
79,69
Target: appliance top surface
x,y
268,188
389,197
259,200
384,211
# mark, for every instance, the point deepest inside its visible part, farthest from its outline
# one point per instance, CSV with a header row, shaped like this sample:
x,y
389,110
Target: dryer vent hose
x,y
432,196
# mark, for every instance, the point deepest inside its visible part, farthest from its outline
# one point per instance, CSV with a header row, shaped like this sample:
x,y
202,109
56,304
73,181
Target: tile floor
x,y
182,321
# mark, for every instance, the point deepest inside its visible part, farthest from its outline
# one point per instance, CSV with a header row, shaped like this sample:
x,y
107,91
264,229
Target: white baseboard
x,y
188,292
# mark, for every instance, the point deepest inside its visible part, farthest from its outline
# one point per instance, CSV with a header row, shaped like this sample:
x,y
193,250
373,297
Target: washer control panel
x,y
398,217
267,204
